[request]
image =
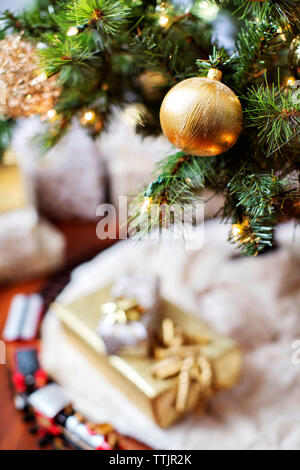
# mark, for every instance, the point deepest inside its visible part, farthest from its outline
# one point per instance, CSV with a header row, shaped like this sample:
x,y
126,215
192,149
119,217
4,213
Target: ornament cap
x,y
214,74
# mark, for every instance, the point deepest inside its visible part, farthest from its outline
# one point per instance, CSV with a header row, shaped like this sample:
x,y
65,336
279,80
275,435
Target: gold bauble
x,y
24,89
294,56
152,83
201,115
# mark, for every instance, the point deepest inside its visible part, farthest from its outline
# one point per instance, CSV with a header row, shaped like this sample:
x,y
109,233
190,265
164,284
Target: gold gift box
x,y
133,375
12,189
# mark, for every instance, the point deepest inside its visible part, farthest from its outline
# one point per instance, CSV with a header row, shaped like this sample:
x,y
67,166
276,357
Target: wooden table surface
x,y
81,244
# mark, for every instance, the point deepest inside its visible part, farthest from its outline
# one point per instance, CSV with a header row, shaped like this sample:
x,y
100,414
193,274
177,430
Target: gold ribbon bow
x,y
178,357
123,310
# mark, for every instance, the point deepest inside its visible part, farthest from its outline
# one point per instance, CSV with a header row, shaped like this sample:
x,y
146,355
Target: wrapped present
x,y
129,319
189,362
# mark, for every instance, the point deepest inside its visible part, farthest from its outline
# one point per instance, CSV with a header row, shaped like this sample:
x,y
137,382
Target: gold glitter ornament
x,y
201,115
24,90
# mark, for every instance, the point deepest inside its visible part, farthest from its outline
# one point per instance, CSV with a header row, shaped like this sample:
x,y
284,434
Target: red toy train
x,y
57,421
26,375
45,403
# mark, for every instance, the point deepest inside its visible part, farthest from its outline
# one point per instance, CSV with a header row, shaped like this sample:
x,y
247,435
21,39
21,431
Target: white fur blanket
x,y
256,301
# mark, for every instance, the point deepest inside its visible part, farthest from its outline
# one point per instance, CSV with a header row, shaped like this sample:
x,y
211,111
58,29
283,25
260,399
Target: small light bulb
x,y
146,204
163,20
290,81
28,97
236,231
281,34
72,31
88,117
206,10
51,113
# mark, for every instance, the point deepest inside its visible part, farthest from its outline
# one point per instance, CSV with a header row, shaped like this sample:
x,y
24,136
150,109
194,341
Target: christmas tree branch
x,y
107,16
275,115
254,204
258,194
256,43
181,179
168,51
32,22
62,51
253,236
281,12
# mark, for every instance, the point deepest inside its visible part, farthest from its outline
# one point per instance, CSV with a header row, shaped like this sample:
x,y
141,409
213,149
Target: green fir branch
x,y
256,43
108,16
62,51
219,59
181,179
275,115
33,21
253,236
282,12
258,194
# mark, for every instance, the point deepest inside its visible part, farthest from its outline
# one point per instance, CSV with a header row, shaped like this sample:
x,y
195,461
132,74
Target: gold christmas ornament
x,y
294,56
201,115
24,90
151,83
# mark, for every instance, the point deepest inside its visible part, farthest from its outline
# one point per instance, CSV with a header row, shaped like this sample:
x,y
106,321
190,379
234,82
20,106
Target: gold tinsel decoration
x,y
24,89
201,115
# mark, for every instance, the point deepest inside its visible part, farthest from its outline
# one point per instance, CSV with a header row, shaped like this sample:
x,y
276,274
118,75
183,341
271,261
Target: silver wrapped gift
x,y
129,320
